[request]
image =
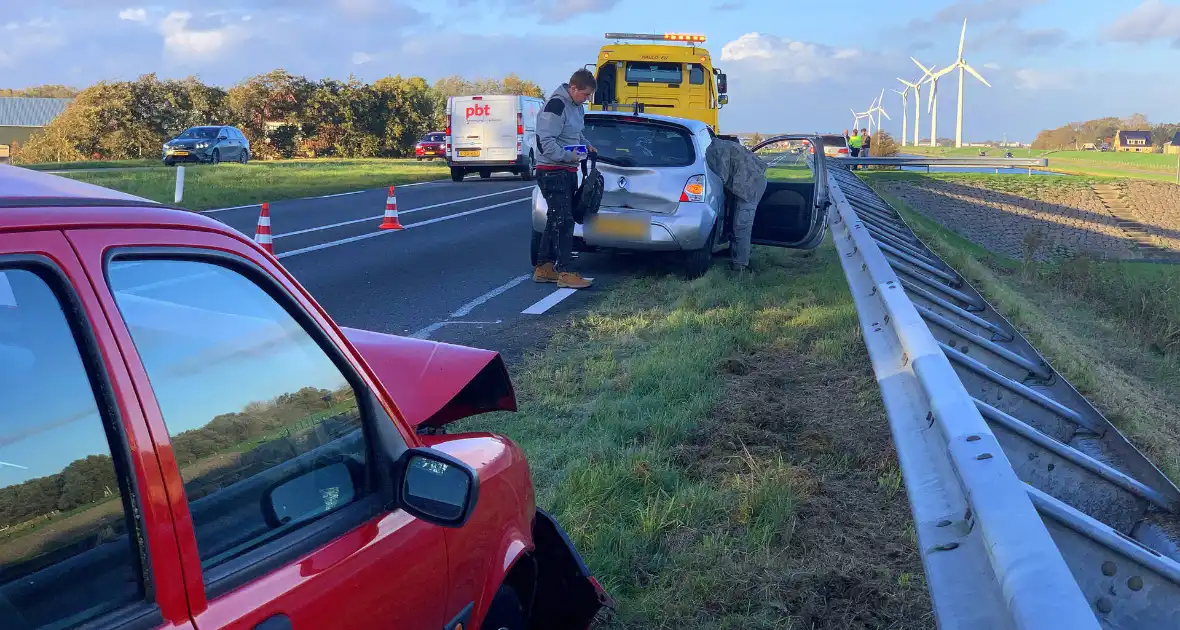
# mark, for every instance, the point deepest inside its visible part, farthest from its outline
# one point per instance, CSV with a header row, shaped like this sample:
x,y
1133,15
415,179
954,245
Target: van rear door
x,y
483,128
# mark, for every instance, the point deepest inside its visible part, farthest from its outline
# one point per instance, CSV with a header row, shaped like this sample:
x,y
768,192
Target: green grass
x,y
1116,160
92,164
234,184
1111,327
718,452
1150,166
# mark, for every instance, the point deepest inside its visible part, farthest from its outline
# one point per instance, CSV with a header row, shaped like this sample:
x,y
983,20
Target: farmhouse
x,y
1138,141
21,117
1173,147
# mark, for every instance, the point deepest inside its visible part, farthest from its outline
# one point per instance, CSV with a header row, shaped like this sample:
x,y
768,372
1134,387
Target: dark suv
x,y
210,145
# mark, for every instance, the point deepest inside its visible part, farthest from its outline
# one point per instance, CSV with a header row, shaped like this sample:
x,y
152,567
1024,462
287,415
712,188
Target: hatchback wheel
x,y
535,248
505,613
216,156
243,157
698,261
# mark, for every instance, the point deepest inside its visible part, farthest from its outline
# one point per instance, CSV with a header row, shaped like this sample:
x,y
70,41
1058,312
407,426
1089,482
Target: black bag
x,y
589,194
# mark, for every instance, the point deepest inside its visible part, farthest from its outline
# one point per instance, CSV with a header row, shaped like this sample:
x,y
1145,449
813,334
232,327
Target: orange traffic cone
x,y
391,222
262,232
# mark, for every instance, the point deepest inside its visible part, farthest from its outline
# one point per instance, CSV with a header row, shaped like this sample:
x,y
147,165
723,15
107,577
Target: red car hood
x,y
435,383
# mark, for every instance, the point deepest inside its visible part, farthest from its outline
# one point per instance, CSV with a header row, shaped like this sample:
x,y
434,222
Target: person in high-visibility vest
x,y
854,143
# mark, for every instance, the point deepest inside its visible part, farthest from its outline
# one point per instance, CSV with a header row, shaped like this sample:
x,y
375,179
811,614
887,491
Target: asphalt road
x,y
459,272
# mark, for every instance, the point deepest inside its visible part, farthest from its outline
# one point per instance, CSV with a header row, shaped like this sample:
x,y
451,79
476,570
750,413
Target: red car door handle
x,y
277,622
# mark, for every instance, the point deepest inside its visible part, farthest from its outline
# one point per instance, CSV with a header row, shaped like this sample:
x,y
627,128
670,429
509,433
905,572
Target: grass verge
x,y
92,164
718,451
1112,328
234,184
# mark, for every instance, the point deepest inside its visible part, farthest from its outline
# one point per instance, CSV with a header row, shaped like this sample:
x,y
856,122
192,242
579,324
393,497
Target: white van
x,y
492,133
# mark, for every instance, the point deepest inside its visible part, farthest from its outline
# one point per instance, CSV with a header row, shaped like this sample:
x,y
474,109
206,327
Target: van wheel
x,y
457,174
530,169
485,174
698,261
535,247
505,613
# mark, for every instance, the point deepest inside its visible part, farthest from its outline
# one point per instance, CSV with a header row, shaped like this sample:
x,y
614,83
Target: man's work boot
x,y
573,280
545,273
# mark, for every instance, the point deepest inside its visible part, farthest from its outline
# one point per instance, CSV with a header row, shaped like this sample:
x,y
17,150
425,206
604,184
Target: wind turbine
x,y
869,114
917,88
961,64
931,77
880,110
856,118
905,95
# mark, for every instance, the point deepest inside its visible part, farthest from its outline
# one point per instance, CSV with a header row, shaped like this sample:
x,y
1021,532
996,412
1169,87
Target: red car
x,y
431,145
187,440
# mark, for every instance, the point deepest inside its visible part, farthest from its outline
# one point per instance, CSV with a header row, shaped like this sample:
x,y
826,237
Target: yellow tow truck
x,y
674,77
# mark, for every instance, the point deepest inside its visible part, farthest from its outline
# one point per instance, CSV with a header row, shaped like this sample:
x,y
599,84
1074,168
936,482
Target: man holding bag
x,y
560,125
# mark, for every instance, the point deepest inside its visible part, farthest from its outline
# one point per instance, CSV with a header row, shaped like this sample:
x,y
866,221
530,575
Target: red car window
x,y
65,554
257,412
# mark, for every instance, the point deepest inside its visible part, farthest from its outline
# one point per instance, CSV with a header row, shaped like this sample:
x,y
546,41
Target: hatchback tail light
x,y
694,189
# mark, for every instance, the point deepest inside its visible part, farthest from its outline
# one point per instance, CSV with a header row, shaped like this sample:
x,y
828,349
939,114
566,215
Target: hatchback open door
x,y
793,210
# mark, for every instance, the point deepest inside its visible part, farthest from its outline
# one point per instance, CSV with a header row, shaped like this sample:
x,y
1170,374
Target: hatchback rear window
x,y
654,72
834,141
629,143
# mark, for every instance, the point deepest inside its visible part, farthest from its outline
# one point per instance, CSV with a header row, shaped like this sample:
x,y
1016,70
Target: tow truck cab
x,y
675,77
190,441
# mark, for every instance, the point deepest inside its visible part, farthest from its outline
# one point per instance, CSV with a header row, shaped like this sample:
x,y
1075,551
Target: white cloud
x,y
991,66
763,56
1149,21
32,38
136,14
360,58
182,41
1032,79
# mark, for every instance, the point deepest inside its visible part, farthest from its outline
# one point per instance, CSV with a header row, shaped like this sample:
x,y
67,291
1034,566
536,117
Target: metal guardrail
x,y
1032,511
983,162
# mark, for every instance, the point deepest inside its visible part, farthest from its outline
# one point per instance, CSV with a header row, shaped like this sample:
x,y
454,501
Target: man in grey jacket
x,y
744,175
559,125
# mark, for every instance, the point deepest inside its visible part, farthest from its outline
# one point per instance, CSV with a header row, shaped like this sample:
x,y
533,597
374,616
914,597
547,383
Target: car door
x,y
793,210
86,535
232,148
280,451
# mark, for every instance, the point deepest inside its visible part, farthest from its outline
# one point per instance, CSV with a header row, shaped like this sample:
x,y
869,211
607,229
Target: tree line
x,y
282,114
1075,135
92,479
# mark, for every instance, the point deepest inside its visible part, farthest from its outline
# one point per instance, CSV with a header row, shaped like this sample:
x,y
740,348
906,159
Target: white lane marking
x,y
464,310
400,212
549,301
353,239
354,192
429,330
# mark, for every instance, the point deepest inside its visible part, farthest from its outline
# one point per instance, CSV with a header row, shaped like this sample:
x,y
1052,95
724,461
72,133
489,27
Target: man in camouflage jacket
x,y
744,175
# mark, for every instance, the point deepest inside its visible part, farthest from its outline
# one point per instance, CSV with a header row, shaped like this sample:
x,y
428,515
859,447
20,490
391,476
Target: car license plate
x,y
621,226
178,152
468,152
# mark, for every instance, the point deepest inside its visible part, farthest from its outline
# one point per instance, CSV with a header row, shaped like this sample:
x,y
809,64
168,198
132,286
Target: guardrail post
x,y
179,184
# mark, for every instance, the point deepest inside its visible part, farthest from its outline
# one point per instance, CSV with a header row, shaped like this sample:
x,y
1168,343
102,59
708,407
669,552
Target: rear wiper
x,y
617,161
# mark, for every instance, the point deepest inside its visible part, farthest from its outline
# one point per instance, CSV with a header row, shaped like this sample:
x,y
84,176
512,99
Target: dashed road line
x,y
465,310
549,301
353,239
400,213
352,192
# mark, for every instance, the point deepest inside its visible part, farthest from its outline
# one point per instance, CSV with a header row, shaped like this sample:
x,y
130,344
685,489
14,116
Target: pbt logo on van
x,y
479,110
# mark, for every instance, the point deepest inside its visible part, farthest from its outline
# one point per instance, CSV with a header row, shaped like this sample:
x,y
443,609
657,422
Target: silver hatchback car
x,y
659,195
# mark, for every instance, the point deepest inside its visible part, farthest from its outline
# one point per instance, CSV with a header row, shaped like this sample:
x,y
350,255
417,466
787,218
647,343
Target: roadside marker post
x,y
262,234
390,221
179,184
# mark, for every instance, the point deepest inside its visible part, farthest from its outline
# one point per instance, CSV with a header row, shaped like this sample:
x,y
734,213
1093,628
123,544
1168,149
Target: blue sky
x,y
793,66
